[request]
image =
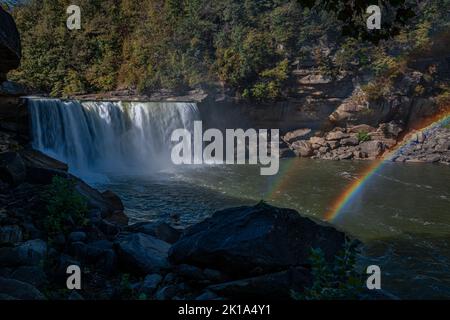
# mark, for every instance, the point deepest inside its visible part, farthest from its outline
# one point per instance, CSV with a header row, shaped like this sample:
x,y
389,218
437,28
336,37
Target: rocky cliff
x,y
10,49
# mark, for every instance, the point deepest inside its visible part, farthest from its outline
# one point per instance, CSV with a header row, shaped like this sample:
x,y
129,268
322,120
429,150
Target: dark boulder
x,y
214,276
167,292
142,253
255,240
77,236
33,275
10,49
12,168
277,286
10,234
30,253
150,284
207,296
109,206
40,168
19,290
114,200
13,111
98,253
159,230
189,272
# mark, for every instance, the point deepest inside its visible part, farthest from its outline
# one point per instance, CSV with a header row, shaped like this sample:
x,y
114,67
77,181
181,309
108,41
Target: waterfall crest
x,y
106,137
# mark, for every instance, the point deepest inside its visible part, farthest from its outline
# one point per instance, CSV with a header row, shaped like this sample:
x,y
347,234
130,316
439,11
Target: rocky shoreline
x,y
237,253
364,142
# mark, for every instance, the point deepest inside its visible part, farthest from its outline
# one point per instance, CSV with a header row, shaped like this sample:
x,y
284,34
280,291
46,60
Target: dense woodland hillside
x,y
250,46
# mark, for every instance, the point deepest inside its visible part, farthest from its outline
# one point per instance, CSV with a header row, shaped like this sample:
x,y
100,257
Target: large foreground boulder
x,y
255,240
141,253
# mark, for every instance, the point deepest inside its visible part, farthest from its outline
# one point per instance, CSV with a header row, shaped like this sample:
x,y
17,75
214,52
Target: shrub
x,y
443,99
363,137
419,90
66,208
339,279
271,84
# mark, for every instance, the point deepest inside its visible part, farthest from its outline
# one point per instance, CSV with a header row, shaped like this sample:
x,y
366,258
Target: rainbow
x,y
352,190
278,181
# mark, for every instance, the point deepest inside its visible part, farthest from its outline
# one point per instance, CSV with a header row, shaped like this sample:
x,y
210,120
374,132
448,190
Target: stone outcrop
x,y
12,168
429,147
364,142
13,114
10,49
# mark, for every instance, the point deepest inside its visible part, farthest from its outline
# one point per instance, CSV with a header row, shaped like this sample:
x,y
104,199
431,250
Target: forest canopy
x,y
250,46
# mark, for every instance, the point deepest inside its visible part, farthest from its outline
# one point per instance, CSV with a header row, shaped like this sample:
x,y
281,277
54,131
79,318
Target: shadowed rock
x,y
142,253
276,286
10,49
159,230
19,290
255,240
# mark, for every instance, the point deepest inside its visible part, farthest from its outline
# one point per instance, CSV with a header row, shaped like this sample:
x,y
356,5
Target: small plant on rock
x,y
338,279
66,208
363,137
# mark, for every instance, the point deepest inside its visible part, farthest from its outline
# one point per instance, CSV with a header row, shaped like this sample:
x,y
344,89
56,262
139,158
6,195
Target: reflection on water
x,y
402,215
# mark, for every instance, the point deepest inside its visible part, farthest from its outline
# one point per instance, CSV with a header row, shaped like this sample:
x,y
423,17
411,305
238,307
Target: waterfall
x,y
108,137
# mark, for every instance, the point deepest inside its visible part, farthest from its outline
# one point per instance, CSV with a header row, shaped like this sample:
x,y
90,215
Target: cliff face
x,y
10,49
13,118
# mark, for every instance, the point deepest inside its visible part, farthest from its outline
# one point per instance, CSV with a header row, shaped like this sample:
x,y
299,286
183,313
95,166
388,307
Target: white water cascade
x,y
108,137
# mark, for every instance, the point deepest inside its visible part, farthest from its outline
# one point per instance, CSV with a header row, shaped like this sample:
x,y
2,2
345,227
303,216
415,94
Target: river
x,y
402,215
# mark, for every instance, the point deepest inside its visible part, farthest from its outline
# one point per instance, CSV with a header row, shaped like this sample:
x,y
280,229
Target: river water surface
x,y
402,214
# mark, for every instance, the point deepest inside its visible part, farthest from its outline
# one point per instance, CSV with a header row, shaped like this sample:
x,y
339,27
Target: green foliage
x,y
443,98
339,279
66,208
377,89
363,137
248,45
125,285
126,289
271,83
352,54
